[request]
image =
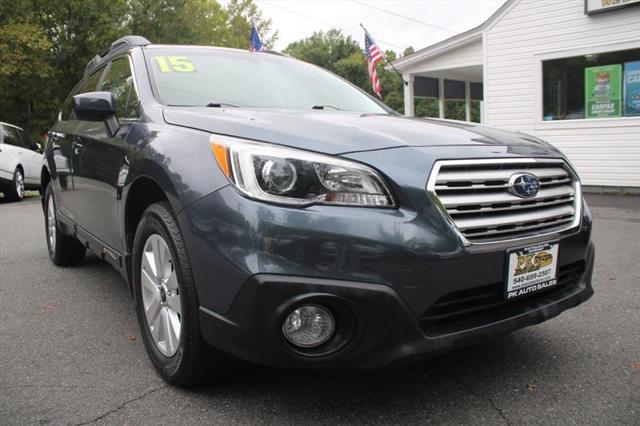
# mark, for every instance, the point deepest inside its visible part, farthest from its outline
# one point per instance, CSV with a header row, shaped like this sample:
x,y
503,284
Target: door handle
x,y
77,146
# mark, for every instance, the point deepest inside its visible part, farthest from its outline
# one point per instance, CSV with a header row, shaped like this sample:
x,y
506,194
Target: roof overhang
x,y
437,49
452,43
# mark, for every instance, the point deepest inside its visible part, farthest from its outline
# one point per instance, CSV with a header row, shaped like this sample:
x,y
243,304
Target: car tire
x,y
167,305
15,191
64,250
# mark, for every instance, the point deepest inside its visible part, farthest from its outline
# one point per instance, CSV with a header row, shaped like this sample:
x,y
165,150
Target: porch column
x,y
409,100
467,101
440,97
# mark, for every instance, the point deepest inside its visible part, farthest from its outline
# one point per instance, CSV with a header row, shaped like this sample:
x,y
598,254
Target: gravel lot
x,y
71,353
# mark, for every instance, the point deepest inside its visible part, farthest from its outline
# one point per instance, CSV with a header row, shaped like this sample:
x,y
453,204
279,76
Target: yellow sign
x,y
532,262
174,64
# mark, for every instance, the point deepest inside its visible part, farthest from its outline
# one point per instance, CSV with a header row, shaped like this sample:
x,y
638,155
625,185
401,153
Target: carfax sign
x,y
603,91
632,88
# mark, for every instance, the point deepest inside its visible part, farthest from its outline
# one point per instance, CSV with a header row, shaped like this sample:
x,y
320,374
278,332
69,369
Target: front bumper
x,y
400,279
385,333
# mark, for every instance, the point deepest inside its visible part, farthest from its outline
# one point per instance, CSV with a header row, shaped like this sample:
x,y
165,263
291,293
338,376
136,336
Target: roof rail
x,y
272,52
120,44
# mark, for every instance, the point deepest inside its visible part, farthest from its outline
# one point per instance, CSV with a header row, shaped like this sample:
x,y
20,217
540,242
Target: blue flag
x,y
256,44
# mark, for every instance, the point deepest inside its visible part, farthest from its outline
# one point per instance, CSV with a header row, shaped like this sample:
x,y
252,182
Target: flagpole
x,y
406,83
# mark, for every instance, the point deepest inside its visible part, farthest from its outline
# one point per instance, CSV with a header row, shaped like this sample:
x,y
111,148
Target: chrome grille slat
x,y
513,218
494,232
498,186
503,174
515,207
502,197
474,195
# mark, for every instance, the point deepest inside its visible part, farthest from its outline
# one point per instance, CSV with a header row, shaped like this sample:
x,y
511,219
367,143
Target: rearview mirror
x,y
94,106
97,106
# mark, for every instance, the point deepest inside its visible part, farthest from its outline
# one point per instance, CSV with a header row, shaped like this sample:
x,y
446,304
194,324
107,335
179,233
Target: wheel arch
x,y
143,192
45,178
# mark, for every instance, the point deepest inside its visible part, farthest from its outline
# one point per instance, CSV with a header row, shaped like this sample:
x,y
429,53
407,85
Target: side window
x,y
89,85
119,81
26,140
11,136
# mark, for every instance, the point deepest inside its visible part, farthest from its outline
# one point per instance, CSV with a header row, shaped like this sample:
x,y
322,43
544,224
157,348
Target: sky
x,y
394,24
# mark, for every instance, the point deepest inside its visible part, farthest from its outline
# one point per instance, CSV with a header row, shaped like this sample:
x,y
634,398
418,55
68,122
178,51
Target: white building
x,y
563,70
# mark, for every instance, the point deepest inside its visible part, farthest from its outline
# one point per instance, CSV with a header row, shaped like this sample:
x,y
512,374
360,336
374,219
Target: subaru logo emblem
x,y
524,185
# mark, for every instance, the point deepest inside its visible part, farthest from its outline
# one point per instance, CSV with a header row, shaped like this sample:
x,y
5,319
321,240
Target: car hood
x,y
339,132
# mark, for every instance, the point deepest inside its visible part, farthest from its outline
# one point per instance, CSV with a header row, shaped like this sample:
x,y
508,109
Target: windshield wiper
x,y
325,106
219,105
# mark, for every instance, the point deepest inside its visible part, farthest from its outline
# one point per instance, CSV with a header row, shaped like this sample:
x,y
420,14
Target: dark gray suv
x,y
262,208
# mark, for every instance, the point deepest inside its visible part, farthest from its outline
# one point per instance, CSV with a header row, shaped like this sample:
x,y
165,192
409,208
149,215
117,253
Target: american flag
x,y
374,55
256,44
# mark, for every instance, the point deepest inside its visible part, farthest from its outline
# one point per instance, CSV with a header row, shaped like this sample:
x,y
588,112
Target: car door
x,y
33,160
13,152
62,136
98,157
6,160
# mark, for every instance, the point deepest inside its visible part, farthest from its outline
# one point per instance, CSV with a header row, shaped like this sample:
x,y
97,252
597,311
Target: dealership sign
x,y
603,91
599,6
632,88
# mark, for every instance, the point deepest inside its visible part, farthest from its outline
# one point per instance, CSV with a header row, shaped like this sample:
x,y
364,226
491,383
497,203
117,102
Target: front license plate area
x,y
530,270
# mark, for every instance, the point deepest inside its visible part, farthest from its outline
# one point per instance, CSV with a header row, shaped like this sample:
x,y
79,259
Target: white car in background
x,y
20,162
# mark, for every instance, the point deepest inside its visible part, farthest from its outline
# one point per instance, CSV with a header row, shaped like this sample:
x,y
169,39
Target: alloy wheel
x,y
19,184
51,224
161,295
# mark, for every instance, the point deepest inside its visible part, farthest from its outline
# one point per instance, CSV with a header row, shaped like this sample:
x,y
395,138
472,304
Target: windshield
x,y
218,77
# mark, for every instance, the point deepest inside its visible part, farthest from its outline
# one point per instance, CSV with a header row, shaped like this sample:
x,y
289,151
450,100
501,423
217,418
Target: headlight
x,y
295,177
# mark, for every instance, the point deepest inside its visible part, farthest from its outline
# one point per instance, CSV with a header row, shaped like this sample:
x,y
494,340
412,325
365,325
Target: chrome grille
x,y
474,195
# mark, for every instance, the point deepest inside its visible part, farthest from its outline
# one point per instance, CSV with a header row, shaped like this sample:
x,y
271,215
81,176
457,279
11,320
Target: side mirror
x,y
94,106
37,147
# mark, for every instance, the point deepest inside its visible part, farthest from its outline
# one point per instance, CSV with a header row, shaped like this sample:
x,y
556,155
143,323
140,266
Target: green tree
x,y
178,21
353,68
69,33
242,15
24,72
324,49
343,56
46,44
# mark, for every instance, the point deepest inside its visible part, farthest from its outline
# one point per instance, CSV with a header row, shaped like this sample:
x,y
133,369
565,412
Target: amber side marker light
x,y
221,153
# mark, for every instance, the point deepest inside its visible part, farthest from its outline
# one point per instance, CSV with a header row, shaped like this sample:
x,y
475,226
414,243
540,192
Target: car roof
x,y
127,43
121,45
11,125
219,48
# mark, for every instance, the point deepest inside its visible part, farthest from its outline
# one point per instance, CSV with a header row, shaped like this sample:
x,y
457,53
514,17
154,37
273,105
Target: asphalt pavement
x,y
71,353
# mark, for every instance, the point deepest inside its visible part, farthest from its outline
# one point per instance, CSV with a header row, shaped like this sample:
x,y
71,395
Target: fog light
x,y
309,326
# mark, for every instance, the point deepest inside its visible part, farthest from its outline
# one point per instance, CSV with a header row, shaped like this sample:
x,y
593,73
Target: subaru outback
x,y
261,208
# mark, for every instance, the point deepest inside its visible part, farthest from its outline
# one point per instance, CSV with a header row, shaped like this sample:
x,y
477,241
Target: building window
x,y
476,111
426,97
426,107
426,93
454,100
602,85
476,101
